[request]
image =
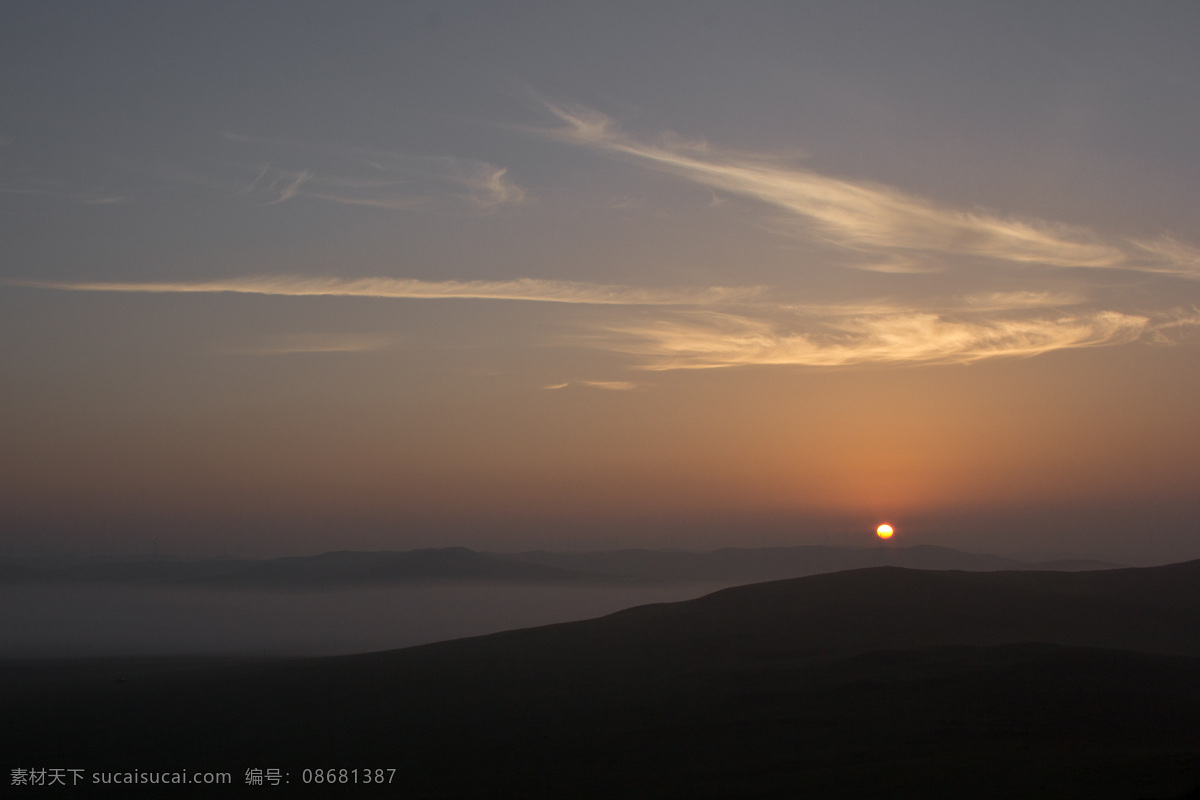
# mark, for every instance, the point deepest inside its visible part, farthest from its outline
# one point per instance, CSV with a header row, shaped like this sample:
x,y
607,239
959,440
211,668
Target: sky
x,y
283,278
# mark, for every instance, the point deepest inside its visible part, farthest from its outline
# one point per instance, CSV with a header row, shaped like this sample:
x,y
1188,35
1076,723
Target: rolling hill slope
x,y
877,682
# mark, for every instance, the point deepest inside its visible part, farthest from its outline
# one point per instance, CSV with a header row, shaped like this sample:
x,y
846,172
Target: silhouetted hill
x,y
876,682
749,565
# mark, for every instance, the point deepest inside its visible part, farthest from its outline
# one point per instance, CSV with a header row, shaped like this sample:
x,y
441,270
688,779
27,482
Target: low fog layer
x,y
98,620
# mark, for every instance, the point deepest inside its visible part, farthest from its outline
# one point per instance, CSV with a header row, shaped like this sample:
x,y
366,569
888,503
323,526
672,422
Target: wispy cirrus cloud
x,y
1016,300
707,340
712,327
525,289
882,229
269,172
300,343
897,229
974,303
289,187
610,386
372,177
1168,256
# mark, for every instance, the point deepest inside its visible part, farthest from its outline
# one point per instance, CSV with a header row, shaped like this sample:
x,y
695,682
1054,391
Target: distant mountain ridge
x,y
753,565
459,564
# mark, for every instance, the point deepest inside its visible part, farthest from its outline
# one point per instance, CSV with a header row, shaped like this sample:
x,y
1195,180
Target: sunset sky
x,y
282,278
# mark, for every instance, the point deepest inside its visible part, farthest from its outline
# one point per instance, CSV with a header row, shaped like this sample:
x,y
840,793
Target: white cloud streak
x,y
895,227
704,328
883,228
300,343
714,327
1168,256
611,386
376,178
291,185
526,289
706,340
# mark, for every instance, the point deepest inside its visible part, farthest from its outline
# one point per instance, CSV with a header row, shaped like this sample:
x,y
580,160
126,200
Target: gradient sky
x,y
285,278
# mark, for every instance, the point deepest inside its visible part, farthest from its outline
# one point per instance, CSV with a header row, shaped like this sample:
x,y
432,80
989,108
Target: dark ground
x,y
871,683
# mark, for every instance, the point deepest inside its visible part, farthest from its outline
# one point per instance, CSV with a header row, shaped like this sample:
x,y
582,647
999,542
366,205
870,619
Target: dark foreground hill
x,y
882,682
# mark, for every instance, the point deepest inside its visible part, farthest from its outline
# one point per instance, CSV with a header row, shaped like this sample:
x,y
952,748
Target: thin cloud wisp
x,y
525,289
894,226
708,340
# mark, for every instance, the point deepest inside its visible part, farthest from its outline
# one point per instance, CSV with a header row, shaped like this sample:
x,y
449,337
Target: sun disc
x,y
884,531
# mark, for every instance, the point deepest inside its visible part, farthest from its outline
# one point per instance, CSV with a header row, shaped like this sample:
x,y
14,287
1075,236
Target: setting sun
x,y
884,531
